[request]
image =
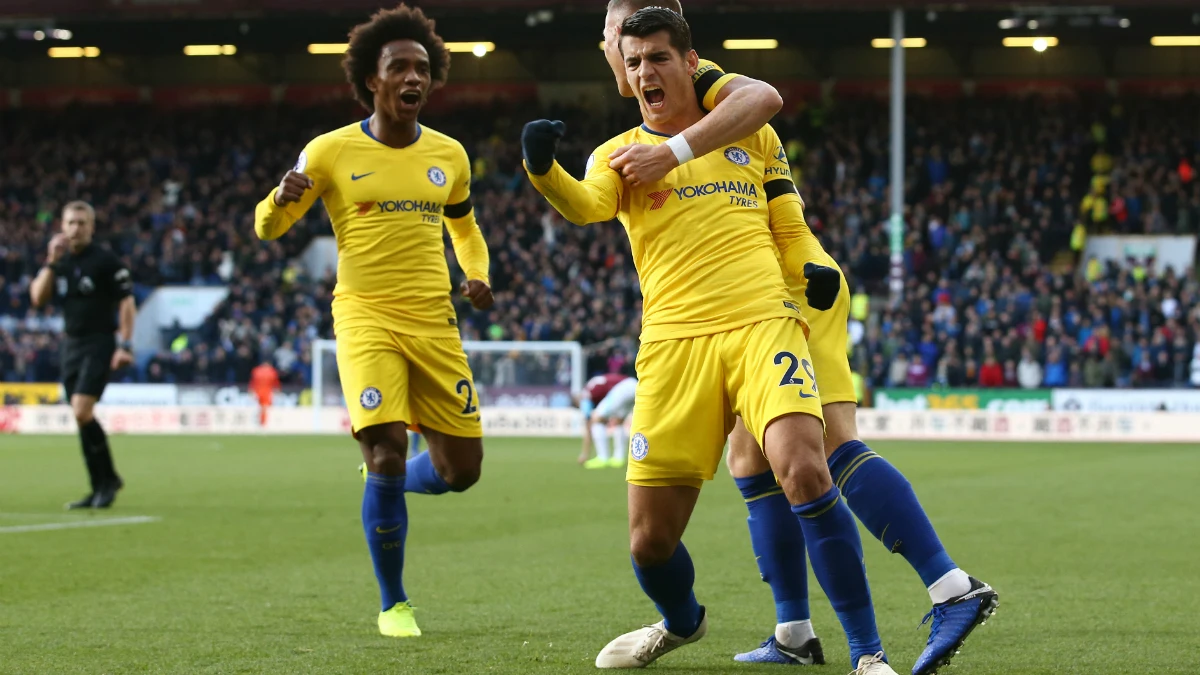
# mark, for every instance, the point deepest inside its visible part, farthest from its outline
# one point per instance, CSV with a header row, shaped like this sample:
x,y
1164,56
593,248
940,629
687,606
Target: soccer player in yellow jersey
x,y
876,491
389,184
721,337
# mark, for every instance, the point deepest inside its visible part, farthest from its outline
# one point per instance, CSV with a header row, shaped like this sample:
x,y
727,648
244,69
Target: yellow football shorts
x,y
391,377
691,389
827,338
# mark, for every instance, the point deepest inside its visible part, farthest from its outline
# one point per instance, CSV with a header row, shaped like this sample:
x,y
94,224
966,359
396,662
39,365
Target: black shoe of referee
x,y
106,495
86,503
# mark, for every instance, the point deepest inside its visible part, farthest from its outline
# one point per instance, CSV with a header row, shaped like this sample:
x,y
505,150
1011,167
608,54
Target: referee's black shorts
x,y
86,364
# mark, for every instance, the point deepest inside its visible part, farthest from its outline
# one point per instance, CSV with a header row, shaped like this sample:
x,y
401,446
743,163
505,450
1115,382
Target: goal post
x,y
509,375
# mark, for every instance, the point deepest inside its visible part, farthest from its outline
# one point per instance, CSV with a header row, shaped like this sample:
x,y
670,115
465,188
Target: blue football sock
x,y
884,501
670,587
778,543
385,521
422,478
836,553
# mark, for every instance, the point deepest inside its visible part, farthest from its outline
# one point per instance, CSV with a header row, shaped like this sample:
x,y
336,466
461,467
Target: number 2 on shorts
x,y
470,408
789,376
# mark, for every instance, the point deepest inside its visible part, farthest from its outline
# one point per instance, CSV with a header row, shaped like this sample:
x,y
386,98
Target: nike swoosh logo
x,y
975,593
354,177
803,659
380,530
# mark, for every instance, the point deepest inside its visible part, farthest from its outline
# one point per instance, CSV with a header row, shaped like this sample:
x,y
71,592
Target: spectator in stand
x,y
991,374
898,372
918,372
1029,371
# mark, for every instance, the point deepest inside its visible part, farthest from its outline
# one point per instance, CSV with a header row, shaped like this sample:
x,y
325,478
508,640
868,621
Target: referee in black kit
x,y
94,289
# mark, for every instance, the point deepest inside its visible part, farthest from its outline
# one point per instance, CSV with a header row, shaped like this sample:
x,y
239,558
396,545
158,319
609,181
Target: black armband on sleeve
x,y
705,82
779,187
458,210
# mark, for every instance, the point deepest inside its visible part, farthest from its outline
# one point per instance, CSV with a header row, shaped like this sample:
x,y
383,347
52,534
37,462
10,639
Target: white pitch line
x,y
131,520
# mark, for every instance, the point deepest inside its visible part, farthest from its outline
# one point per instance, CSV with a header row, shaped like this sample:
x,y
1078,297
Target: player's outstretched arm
x,y
739,107
292,198
594,199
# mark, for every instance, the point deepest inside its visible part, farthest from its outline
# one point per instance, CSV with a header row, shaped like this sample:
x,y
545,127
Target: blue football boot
x,y
808,654
953,621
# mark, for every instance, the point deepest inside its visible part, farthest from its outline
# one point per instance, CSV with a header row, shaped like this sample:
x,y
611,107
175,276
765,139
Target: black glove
x,y
824,283
539,143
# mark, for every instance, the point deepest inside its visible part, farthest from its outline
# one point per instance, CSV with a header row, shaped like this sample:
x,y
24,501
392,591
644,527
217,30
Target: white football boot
x,y
641,647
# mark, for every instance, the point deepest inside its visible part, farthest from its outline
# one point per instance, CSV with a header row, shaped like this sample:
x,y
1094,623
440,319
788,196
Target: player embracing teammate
x,y
690,353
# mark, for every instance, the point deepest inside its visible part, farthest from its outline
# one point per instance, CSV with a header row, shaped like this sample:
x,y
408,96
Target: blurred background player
x,y
593,392
389,184
612,414
877,492
264,382
715,301
96,292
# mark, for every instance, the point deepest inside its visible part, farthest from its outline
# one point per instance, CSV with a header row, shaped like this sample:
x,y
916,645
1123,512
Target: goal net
x,y
509,376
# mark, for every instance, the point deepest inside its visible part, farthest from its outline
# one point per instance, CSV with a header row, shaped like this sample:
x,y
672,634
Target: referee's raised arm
x,y
43,284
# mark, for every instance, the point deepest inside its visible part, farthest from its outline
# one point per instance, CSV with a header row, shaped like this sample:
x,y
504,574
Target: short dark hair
x,y
635,5
648,21
387,25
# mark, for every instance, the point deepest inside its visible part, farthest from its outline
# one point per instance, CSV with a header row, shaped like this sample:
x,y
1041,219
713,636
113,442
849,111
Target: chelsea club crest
x,y
370,398
737,156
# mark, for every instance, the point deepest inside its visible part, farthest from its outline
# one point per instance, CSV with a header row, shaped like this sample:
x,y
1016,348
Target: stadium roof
x,y
65,10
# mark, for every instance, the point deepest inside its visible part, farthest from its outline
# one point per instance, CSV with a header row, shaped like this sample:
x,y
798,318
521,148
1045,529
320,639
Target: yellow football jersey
x,y
387,206
704,238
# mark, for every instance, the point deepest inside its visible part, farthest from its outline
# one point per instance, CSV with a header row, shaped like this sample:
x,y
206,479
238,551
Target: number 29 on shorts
x,y
792,364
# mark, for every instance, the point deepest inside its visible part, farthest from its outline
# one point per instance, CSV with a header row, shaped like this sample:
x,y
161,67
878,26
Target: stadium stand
x,y
1001,194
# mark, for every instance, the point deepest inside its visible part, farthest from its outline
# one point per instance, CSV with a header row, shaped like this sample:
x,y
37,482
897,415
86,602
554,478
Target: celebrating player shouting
x,y
721,336
389,183
876,491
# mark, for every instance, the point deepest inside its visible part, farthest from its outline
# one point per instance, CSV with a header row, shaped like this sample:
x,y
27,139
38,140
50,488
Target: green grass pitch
x,y
257,562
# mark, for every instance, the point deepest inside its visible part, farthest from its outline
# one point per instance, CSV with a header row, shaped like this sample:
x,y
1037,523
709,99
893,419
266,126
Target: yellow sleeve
x,y
271,221
595,199
708,81
796,243
469,245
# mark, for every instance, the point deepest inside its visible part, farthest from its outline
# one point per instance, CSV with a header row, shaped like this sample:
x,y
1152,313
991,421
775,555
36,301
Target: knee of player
x,y
803,483
462,476
389,456
650,548
745,460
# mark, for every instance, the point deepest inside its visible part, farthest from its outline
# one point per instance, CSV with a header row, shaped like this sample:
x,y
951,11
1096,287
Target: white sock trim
x,y
952,584
794,634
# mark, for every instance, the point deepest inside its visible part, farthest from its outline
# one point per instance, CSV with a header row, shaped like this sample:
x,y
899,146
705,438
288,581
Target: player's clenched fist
x,y
539,144
479,293
824,283
641,164
292,188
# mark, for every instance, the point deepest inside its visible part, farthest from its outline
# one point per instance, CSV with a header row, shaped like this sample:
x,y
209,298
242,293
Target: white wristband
x,y
679,145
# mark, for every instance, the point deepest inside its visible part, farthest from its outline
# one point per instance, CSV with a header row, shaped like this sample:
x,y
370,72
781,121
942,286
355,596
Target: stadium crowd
x,y
1001,194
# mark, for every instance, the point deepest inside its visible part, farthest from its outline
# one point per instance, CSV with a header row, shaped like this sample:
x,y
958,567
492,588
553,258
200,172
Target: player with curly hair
x,y
389,183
